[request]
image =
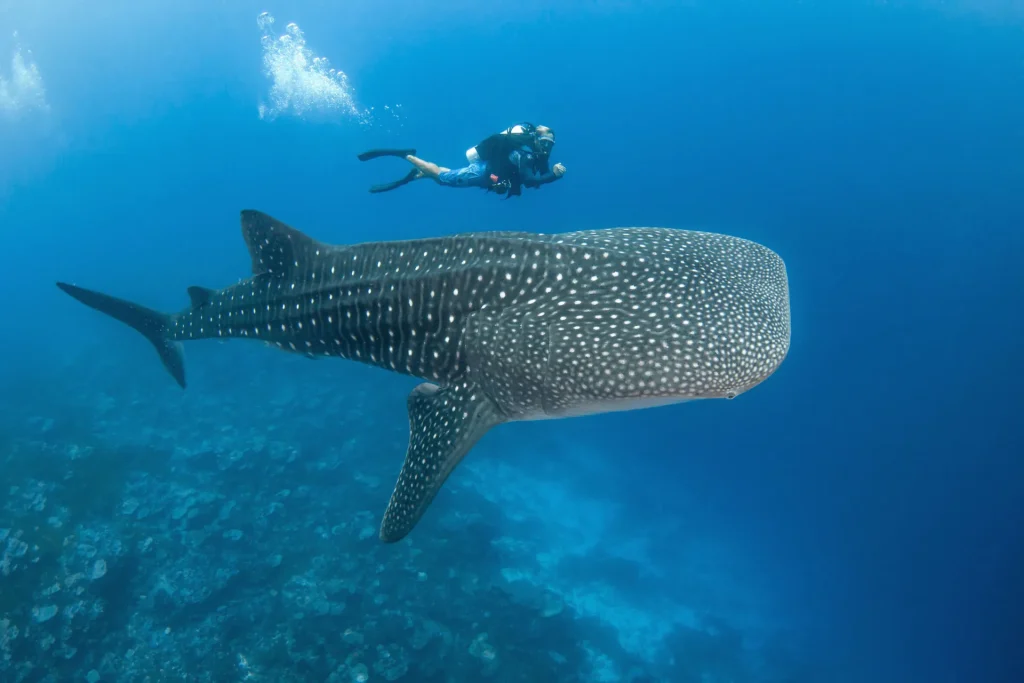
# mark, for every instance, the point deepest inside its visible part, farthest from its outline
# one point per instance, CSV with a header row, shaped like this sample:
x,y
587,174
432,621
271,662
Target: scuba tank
x,y
473,154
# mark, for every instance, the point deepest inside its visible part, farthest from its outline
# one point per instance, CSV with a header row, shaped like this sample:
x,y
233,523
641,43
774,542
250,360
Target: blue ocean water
x,y
856,517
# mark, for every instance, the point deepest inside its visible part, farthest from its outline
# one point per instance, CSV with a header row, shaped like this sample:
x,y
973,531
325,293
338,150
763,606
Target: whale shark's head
x,y
636,317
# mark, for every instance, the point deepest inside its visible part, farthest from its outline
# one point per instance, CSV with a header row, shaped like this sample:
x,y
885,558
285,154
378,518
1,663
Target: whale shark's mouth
x,y
611,406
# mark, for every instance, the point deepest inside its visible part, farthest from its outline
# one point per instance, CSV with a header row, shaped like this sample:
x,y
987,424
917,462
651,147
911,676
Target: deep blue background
x,y
878,147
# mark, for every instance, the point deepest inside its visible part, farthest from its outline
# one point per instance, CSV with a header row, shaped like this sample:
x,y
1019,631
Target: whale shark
x,y
499,326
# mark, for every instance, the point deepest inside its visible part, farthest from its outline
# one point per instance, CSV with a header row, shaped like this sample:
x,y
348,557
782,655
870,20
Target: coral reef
x,y
219,535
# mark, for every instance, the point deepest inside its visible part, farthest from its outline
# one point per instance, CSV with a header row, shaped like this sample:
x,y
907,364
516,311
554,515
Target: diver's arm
x,y
528,175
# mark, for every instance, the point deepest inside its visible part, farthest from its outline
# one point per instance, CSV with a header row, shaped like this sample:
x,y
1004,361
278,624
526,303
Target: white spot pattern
x,y
519,324
444,424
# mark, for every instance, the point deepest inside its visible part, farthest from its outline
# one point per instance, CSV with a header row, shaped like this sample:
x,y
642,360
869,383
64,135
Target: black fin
x,y
276,249
385,187
200,296
153,325
444,424
377,153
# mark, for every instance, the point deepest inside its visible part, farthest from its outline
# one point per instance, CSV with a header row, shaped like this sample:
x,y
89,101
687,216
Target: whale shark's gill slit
x,y
444,425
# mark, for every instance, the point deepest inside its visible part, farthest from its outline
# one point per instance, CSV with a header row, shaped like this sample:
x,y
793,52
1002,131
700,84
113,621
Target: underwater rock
x,y
367,480
225,510
426,631
181,510
481,648
16,547
99,570
391,662
359,673
44,614
486,653
206,563
553,606
306,594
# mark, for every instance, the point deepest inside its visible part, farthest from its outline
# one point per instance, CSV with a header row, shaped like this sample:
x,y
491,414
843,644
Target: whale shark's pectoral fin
x,y
444,424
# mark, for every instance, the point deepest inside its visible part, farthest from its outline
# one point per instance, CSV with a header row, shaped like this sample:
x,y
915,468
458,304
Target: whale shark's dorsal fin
x,y
200,296
277,250
444,424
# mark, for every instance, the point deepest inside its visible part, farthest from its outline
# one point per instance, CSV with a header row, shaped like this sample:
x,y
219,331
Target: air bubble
x,y
304,83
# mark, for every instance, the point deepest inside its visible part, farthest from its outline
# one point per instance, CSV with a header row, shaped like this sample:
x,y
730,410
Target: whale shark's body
x,y
502,326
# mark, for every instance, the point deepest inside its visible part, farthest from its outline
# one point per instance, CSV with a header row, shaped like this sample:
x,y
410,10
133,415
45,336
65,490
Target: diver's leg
x,y
474,175
426,168
421,169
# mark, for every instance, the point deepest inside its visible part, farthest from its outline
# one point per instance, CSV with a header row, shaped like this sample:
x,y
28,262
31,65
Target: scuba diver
x,y
502,163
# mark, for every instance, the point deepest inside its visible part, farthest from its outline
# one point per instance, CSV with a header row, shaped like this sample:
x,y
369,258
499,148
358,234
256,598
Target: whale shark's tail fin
x,y
153,325
444,424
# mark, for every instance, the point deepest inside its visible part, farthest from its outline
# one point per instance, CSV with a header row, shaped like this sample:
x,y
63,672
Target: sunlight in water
x,y
303,83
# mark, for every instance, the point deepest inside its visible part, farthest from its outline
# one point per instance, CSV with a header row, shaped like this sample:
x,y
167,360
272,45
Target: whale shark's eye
x,y
731,394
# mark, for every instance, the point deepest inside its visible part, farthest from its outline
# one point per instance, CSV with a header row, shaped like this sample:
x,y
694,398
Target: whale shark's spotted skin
x,y
503,326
